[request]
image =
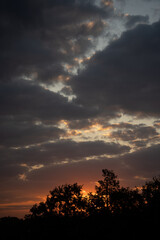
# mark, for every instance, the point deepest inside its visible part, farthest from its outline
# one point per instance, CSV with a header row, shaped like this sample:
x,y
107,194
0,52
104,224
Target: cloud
x,y
157,124
137,132
144,162
124,77
150,0
18,161
31,102
39,37
14,133
133,20
139,163
72,151
80,124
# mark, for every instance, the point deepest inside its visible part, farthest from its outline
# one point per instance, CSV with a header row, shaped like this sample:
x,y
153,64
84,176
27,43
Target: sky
x,y
79,92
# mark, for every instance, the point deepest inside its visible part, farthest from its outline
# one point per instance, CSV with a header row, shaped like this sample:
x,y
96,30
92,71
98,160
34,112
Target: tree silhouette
x,y
151,191
125,200
106,188
68,200
65,200
151,196
133,213
38,209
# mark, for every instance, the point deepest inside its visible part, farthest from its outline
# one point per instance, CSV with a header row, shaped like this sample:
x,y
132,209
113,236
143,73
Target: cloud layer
x,y
127,72
40,36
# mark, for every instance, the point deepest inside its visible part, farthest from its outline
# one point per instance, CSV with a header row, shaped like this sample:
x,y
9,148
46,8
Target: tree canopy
x,y
109,198
111,212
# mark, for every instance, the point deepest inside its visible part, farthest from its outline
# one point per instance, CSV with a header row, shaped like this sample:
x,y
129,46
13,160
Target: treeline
x,y
110,212
109,197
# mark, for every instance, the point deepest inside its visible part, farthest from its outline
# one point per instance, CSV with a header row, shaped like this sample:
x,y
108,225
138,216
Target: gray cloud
x,y
56,152
124,76
69,150
132,168
135,133
31,102
134,20
38,37
16,133
80,124
157,124
74,150
39,163
145,161
29,113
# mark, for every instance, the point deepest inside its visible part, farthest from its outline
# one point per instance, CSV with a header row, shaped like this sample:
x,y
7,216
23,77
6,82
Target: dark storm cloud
x,y
133,20
31,102
125,75
38,36
29,113
18,133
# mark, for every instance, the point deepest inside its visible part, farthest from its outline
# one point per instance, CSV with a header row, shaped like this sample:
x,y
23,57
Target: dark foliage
x,y
112,212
